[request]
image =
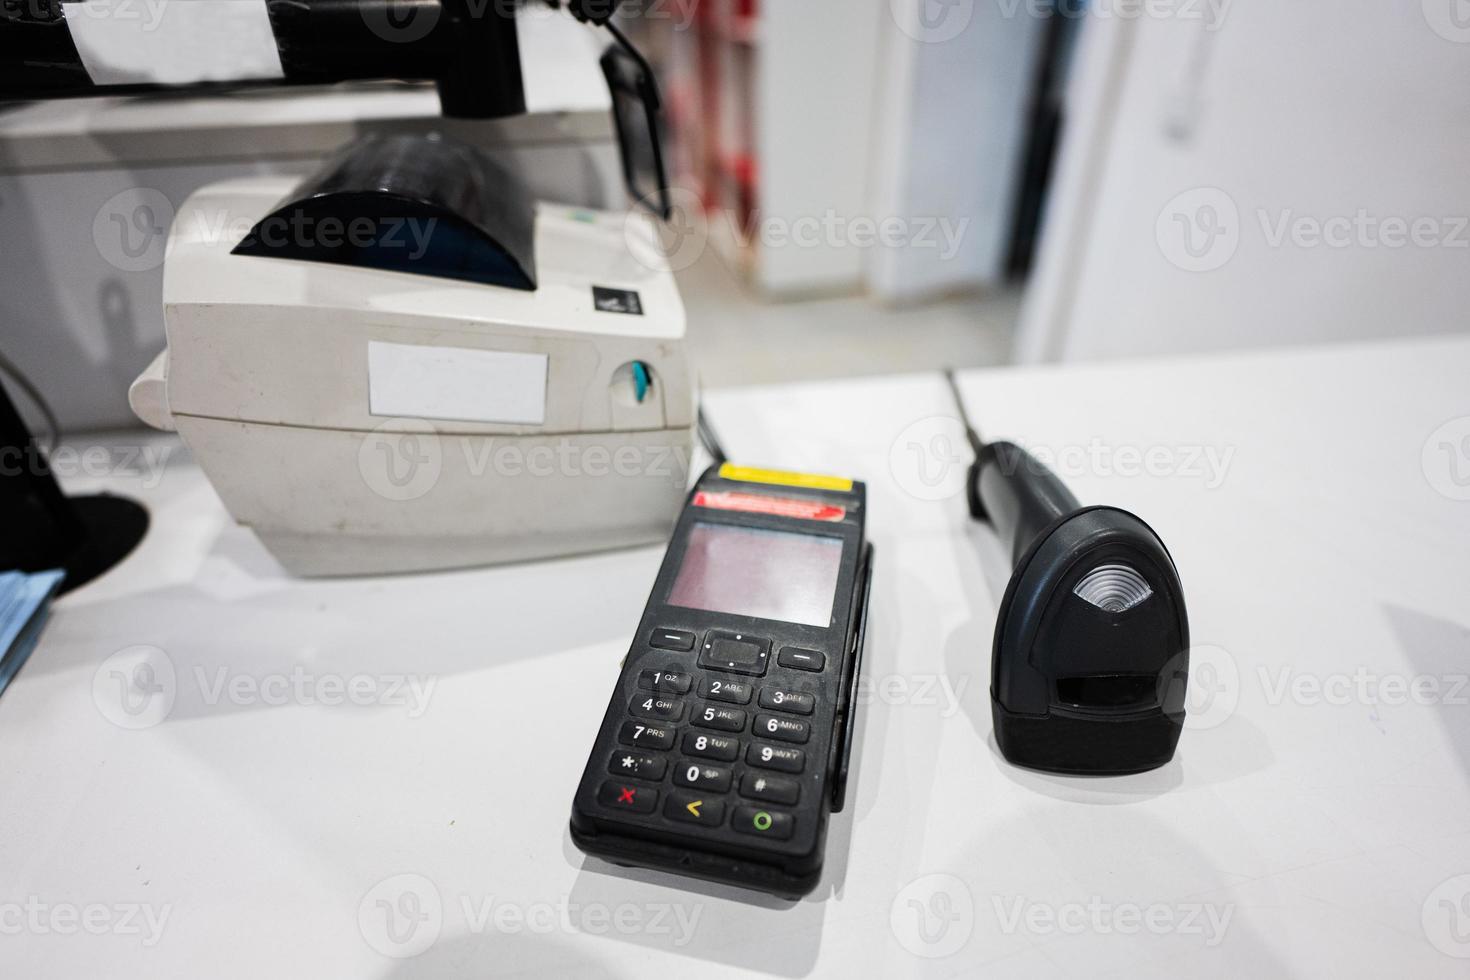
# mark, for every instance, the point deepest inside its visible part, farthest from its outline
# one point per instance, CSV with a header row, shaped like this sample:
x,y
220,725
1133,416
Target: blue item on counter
x,y
25,600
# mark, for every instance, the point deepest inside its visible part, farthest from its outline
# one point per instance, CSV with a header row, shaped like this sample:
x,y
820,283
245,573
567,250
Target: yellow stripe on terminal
x,y
783,478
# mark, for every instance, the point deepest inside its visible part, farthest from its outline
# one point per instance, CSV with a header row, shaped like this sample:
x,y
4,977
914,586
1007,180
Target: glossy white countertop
x,y
254,820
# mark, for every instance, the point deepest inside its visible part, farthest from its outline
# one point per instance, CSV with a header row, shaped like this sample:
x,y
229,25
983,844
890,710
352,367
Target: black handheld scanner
x,y
1090,658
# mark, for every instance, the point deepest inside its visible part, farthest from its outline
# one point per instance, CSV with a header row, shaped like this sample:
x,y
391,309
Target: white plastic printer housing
x,y
367,421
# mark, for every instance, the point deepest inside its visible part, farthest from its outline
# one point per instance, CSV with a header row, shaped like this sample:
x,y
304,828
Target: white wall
x,y
949,143
1309,111
813,122
870,110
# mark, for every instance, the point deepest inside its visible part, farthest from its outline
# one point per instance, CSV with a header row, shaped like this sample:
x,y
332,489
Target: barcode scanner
x,y
1090,659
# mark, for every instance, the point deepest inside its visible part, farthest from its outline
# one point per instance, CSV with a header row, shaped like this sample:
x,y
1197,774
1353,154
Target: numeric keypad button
x,y
665,681
721,689
778,757
720,719
771,789
708,746
697,775
785,729
646,735
657,708
780,699
636,765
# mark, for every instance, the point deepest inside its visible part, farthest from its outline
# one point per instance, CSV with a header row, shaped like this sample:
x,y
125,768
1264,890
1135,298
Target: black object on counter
x,y
43,528
422,204
1091,653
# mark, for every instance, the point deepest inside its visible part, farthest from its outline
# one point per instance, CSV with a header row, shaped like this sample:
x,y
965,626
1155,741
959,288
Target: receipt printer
x,y
405,363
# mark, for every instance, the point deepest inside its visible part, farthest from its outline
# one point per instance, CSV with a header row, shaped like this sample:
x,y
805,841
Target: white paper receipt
x,y
417,381
173,42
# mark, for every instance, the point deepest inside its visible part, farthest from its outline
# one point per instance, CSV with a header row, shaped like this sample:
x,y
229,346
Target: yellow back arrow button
x,y
693,808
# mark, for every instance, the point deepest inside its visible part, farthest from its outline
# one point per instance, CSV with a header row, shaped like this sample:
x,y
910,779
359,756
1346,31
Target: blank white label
x,y
456,383
173,42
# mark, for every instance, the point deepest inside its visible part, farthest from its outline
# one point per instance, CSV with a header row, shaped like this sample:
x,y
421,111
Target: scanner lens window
x,y
1113,588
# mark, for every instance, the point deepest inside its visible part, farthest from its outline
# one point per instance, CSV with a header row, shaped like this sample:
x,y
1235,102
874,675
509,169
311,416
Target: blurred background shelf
x,y
783,112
